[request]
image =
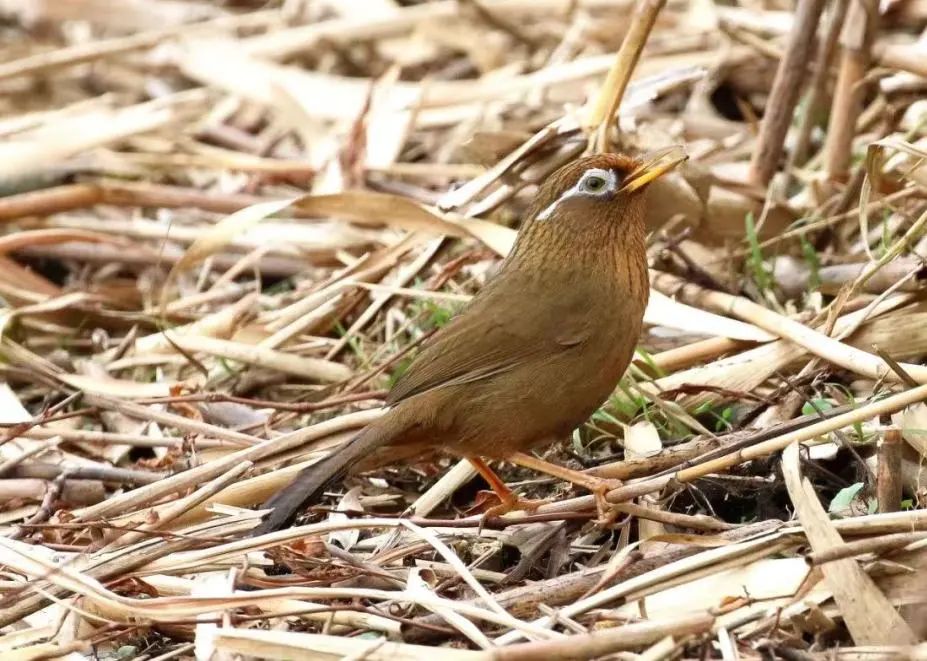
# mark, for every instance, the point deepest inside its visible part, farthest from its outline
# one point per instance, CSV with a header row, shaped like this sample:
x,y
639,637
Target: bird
x,y
536,351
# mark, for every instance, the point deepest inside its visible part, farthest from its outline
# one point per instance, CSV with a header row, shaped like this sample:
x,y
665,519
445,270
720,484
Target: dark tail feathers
x,y
309,484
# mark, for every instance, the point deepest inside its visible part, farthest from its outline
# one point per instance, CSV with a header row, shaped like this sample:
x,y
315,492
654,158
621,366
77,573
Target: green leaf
x,y
810,254
647,357
844,497
724,420
815,405
760,274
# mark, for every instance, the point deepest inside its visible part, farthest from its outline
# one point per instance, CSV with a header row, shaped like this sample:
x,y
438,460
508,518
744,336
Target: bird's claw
x,y
606,514
515,504
511,504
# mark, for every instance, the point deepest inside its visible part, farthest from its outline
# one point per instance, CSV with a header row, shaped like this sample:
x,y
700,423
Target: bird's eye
x,y
594,183
597,182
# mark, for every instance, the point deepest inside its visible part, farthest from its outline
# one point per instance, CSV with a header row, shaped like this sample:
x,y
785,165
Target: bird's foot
x,y
598,486
508,500
514,503
605,512
511,503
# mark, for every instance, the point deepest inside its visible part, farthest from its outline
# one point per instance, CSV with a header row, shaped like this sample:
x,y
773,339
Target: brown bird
x,y
536,351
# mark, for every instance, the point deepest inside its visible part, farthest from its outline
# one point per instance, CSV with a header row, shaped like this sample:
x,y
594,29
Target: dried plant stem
x,y
869,615
867,412
722,463
208,471
687,569
523,601
315,369
859,547
605,109
891,198
148,413
102,437
47,471
817,85
16,606
693,521
461,473
178,507
606,641
80,196
856,40
75,492
298,646
402,279
95,50
815,342
283,44
702,351
662,649
907,57
888,473
785,92
11,464
408,139
880,524
141,256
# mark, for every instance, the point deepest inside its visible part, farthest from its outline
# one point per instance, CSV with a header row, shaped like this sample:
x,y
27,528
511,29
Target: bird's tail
x,y
308,485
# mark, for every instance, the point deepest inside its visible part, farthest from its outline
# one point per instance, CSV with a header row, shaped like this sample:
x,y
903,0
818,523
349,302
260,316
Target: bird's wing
x,y
497,332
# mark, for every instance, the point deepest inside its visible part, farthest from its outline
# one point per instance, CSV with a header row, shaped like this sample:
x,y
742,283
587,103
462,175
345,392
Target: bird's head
x,y
594,200
604,186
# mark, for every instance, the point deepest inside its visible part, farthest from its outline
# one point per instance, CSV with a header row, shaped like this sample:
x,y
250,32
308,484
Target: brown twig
x,y
605,110
817,85
856,40
888,473
785,92
878,545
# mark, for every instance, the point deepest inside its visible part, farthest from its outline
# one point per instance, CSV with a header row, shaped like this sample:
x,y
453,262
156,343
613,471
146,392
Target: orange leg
x,y
508,500
597,485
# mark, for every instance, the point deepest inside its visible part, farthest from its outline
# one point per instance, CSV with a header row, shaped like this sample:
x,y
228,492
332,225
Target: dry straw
x,y
228,227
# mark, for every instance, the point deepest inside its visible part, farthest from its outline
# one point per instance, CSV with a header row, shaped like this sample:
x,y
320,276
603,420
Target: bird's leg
x,y
509,501
597,485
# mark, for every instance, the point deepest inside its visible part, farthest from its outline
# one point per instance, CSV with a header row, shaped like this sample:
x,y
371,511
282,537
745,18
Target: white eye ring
x,y
596,182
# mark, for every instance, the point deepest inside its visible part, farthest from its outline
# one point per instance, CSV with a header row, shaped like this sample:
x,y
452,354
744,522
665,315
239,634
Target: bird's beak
x,y
653,166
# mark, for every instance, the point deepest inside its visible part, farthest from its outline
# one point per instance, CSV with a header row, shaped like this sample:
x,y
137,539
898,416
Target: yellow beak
x,y
654,165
